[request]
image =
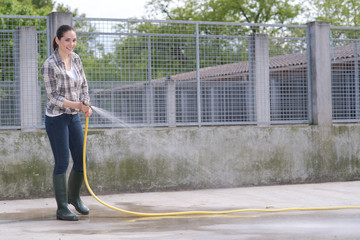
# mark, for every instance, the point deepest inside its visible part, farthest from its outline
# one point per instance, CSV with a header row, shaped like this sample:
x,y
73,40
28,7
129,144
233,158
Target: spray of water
x,y
108,115
167,148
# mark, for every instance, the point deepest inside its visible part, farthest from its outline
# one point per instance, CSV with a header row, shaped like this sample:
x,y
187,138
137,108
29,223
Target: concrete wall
x,y
123,160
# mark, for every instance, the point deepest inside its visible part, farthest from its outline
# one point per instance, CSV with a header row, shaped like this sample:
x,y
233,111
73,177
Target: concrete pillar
x,y
30,91
320,70
56,19
262,85
251,87
171,102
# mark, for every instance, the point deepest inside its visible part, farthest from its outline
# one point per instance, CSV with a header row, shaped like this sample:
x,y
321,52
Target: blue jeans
x,y
65,132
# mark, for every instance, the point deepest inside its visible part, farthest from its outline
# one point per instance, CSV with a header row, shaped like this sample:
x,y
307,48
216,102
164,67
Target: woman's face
x,y
67,43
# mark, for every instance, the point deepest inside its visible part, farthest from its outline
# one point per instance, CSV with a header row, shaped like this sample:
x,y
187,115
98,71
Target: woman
x,y
67,90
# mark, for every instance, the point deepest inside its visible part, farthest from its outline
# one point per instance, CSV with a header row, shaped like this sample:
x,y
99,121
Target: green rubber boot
x,y
63,212
76,180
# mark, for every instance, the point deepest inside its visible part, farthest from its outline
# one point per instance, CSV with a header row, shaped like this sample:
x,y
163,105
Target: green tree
x,y
215,50
26,7
61,7
338,12
245,11
35,8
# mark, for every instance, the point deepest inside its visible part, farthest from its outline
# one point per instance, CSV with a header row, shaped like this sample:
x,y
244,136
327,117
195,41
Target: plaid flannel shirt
x,y
60,86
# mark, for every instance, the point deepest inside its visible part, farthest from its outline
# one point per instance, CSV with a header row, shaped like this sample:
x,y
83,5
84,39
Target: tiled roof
x,y
283,61
226,71
288,60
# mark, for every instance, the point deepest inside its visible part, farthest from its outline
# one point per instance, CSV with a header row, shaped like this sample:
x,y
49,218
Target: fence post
x,y
30,94
251,87
262,78
198,83
320,72
55,20
171,101
356,69
149,104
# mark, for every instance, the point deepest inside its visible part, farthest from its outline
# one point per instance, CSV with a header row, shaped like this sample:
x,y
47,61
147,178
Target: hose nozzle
x,y
87,104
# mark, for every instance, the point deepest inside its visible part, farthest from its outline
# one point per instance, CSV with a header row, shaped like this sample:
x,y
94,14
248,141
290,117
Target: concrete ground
x,y
35,218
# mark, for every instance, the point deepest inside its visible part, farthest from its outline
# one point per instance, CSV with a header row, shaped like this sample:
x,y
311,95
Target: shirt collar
x,y
58,58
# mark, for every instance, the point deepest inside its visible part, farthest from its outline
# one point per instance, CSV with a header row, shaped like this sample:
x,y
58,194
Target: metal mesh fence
x,y
225,88
8,91
183,73
289,82
178,73
10,61
344,55
42,55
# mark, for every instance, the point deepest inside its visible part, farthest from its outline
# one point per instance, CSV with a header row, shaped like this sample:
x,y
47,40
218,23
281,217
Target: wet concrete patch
x,y
35,219
107,224
28,215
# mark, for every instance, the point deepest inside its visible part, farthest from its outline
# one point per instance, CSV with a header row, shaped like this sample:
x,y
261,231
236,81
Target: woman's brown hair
x,y
60,33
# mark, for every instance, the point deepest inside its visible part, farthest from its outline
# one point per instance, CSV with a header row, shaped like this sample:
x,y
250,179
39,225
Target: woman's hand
x,y
88,113
79,105
86,109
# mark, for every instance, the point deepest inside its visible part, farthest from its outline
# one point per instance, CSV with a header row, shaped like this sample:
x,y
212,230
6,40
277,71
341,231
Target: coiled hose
x,y
192,212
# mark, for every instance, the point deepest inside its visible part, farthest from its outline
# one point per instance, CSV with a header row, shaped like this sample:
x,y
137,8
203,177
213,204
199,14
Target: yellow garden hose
x,y
193,212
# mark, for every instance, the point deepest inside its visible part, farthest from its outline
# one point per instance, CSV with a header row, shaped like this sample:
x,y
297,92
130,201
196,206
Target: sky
x,y
108,8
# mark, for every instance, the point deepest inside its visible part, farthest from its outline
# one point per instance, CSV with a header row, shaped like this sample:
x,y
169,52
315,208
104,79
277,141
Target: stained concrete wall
x,y
123,160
